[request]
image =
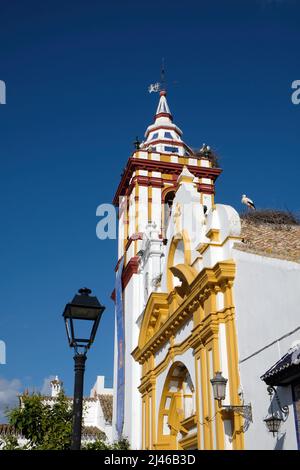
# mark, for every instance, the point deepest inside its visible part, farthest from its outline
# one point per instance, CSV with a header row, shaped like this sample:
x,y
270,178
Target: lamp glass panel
x,y
221,391
82,329
273,424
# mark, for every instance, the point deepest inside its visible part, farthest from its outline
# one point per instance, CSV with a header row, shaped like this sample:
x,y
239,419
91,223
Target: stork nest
x,y
270,216
210,155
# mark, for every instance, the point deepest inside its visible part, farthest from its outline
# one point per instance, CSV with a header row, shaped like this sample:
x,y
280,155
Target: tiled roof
x,y
285,370
49,398
106,402
273,240
93,432
6,429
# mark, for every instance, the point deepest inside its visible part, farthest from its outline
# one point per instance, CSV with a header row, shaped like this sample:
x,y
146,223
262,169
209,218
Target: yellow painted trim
x,y
203,246
200,305
214,235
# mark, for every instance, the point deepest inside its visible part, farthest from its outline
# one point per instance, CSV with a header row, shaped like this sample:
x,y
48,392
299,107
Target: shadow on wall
x,y
280,442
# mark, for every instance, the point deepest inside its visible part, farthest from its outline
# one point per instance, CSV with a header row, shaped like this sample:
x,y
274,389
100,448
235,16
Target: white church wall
x,y
114,414
264,314
161,353
131,225
132,308
121,235
143,208
156,206
184,331
224,359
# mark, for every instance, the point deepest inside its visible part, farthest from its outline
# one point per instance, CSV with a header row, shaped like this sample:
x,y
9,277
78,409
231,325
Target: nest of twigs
x,y
209,154
271,216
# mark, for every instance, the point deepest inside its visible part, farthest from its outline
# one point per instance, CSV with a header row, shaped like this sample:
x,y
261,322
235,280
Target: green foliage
x,y
122,444
10,442
45,426
48,426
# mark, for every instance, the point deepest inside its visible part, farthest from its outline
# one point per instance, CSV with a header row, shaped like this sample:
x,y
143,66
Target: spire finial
x,y
163,87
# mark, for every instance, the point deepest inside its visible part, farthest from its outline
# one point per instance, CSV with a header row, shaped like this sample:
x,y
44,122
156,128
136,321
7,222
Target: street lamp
x,y
84,311
219,383
219,386
274,421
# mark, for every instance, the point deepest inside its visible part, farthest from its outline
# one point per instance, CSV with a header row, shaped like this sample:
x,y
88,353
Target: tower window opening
x,y
168,135
168,204
171,149
155,135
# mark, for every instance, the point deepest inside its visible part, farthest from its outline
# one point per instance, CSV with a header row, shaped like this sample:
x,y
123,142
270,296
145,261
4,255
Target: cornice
x,y
163,167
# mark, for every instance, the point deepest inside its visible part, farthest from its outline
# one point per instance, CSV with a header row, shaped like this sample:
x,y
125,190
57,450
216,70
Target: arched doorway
x,y
177,406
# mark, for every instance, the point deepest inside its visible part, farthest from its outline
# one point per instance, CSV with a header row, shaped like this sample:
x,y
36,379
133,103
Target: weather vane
x,y
159,86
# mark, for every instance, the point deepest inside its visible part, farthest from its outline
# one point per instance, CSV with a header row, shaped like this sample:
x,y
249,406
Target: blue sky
x,y
77,74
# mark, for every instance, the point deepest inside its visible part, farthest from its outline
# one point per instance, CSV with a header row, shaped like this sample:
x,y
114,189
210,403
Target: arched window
x,y
168,203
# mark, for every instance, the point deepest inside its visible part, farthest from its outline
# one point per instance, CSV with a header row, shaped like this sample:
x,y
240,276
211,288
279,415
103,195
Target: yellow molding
x,y
203,246
223,271
204,336
189,442
213,234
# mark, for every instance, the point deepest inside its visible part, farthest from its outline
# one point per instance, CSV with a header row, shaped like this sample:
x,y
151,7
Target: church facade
x,y
195,291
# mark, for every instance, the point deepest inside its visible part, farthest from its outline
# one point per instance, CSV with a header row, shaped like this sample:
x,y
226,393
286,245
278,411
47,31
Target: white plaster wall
x,y
184,331
121,236
206,181
130,252
161,353
131,214
114,416
133,298
224,366
143,208
267,297
156,207
141,154
90,413
207,200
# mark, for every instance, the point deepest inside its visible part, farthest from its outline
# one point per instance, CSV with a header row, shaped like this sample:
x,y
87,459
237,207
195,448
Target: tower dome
x,y
163,136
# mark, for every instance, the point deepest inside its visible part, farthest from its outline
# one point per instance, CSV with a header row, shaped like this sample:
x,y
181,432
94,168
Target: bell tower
x,y
144,199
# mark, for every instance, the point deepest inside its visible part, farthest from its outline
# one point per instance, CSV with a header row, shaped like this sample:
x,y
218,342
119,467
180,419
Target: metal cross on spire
x,y
163,75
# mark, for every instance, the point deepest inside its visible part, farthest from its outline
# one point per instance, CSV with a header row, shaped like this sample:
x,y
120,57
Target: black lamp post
x,y
88,309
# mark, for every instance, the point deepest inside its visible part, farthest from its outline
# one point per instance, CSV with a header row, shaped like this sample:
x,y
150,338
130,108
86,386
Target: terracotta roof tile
x,y
93,432
106,402
273,240
6,429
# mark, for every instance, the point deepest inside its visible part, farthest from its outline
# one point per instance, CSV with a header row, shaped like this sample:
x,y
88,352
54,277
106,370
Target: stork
x,y
248,202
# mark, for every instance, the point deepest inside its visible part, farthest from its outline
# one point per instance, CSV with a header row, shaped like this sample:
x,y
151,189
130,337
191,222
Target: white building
x,y
200,291
97,412
97,409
